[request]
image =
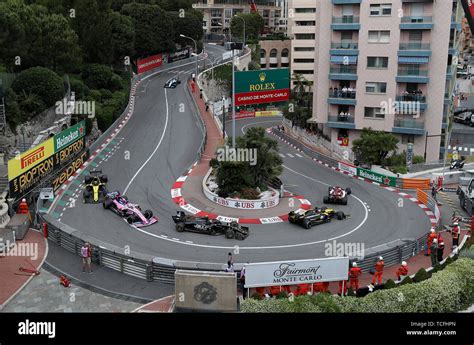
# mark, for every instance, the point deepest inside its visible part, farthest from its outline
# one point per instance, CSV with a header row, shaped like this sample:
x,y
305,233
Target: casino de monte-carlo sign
x,y
294,272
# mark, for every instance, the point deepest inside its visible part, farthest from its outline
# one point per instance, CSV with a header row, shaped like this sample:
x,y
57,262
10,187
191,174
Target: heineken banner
x,y
376,177
70,135
260,87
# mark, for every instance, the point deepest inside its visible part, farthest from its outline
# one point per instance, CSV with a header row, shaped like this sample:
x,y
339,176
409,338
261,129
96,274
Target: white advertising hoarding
x,y
347,168
294,272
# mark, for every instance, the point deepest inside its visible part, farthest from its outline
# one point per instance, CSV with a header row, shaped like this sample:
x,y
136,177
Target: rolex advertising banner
x,y
294,272
376,177
260,87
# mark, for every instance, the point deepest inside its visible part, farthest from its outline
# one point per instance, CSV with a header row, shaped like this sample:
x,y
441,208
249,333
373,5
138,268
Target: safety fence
x,y
431,203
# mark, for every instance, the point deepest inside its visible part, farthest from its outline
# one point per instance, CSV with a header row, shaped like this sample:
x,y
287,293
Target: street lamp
x,y
236,16
195,50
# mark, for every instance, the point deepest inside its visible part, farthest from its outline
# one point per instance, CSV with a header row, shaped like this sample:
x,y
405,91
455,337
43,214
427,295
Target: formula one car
x,y
337,195
172,83
204,225
94,187
315,216
131,212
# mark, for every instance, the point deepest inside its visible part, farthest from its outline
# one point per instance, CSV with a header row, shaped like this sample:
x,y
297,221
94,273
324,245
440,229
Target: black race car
x,y
204,225
94,187
172,83
337,195
315,216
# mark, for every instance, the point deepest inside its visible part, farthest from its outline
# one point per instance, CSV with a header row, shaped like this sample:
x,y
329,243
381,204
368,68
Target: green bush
x,y
256,296
446,291
399,169
449,260
249,193
389,284
96,95
116,83
282,294
79,88
406,280
421,275
105,94
43,82
97,76
467,253
418,159
253,66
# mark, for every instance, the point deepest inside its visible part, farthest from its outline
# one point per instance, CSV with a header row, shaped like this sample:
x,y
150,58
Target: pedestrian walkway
x,y
45,294
163,305
17,266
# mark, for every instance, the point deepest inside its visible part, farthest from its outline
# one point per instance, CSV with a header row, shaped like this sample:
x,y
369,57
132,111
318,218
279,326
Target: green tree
x,y
154,32
299,109
122,37
189,25
254,24
373,147
42,82
57,47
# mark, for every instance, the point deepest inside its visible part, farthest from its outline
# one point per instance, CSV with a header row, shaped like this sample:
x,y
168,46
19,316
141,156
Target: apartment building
x,y
384,64
218,14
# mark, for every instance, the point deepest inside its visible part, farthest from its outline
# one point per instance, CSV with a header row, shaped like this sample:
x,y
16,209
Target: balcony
x,y
408,75
414,49
408,126
338,121
450,72
453,48
342,98
416,23
343,73
346,2
344,48
411,101
345,23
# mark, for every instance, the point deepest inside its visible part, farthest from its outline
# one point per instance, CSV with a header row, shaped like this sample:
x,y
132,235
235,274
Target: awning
x,y
413,60
340,59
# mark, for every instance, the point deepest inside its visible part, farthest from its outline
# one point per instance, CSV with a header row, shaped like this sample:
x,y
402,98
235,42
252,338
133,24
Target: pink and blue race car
x,y
131,212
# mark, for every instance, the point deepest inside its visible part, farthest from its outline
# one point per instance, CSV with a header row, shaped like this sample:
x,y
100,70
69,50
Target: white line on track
x,y
156,148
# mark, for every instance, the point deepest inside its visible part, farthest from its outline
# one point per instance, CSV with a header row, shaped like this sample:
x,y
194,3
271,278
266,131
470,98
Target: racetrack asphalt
x,y
160,142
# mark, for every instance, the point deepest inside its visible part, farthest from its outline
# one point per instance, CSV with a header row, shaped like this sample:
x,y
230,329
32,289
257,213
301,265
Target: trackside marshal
x,y
294,272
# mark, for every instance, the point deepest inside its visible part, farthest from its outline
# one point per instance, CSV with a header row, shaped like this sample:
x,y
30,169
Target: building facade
x,y
218,14
385,64
274,53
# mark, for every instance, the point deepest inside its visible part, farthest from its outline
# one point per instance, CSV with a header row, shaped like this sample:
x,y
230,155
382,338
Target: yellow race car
x,y
94,187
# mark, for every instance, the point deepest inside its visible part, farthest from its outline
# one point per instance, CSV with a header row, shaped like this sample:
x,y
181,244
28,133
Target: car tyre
x,y
348,191
104,179
307,225
107,203
340,215
239,236
326,200
179,227
229,234
344,201
131,219
148,214
87,179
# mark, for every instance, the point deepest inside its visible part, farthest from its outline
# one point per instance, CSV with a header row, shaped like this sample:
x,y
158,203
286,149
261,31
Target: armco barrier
x,y
415,183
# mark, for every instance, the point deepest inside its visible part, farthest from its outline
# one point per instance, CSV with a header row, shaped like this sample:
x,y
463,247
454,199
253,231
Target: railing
x,y
417,19
345,20
412,72
342,94
3,122
411,98
344,45
415,46
409,124
344,69
341,118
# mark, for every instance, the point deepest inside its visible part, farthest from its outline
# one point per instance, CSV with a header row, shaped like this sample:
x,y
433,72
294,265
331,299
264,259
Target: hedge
x,y
449,290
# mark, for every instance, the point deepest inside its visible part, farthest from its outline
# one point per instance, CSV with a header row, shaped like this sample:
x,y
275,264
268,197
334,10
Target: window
x,y
305,23
377,62
347,10
303,60
416,10
379,36
375,87
305,36
346,36
408,139
381,9
374,113
415,36
304,49
303,71
273,53
305,10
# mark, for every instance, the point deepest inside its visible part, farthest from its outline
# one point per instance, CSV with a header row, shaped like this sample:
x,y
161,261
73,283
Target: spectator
x,y
207,106
434,252
86,253
230,258
455,231
230,266
434,191
344,92
402,271
354,274
242,282
440,251
379,265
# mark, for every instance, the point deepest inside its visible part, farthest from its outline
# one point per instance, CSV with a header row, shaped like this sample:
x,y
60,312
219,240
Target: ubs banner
x,y
261,87
296,272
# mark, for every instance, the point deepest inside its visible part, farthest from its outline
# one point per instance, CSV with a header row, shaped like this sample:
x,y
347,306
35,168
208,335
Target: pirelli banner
x,y
262,87
36,165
